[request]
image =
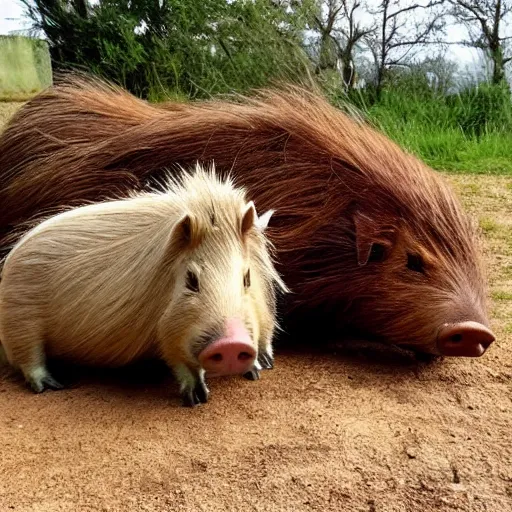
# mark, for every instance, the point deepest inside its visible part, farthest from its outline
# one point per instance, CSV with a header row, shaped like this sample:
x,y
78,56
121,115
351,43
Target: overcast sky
x,y
12,20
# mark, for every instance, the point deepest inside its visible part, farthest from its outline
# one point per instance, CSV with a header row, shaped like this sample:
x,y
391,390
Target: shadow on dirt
x,y
152,377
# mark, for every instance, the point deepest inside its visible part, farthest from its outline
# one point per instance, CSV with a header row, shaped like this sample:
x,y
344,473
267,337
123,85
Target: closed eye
x,y
415,263
377,253
192,282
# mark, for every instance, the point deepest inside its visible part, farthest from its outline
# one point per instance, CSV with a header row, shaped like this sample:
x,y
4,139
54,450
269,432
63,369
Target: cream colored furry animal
x,y
185,274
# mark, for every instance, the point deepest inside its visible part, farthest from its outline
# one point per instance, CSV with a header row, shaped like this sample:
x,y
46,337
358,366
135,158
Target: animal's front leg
x,y
193,389
40,379
27,354
187,371
265,360
254,372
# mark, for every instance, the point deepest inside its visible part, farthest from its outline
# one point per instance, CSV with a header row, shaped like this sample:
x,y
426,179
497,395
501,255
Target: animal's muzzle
x,y
464,339
230,354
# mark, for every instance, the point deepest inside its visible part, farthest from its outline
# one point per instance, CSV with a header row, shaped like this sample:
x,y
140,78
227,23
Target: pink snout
x,y
464,339
233,354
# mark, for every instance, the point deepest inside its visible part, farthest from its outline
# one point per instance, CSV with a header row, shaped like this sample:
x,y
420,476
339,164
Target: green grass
x,y
453,151
25,68
488,225
470,132
501,295
449,148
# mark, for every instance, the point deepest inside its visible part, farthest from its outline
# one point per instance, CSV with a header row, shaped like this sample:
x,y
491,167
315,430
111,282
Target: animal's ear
x,y
374,239
249,218
186,232
264,219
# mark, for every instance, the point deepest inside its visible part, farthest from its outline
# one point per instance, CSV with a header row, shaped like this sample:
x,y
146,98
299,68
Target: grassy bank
x,y
25,67
470,132
452,150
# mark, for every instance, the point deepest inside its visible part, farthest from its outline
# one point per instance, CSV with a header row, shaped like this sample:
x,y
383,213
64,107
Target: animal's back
x,y
87,273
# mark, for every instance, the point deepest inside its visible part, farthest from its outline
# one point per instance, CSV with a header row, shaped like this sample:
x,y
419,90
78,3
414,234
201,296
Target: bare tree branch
x,y
488,18
414,7
340,33
398,37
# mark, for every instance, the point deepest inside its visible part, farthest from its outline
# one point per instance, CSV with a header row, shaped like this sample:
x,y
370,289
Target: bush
x,y
481,109
175,47
470,131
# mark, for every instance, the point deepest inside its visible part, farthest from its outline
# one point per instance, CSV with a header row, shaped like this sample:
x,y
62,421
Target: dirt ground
x,y
351,431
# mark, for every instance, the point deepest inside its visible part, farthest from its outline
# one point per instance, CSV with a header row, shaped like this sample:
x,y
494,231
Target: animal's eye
x,y
192,282
247,279
377,253
415,263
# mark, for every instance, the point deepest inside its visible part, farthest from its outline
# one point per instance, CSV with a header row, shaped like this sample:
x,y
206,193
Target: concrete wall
x,y
25,67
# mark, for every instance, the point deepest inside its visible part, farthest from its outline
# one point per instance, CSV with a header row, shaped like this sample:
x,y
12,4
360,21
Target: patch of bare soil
x,y
351,431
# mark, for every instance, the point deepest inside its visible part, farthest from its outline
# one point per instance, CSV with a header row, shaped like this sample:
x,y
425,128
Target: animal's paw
x,y
266,361
192,396
40,379
252,374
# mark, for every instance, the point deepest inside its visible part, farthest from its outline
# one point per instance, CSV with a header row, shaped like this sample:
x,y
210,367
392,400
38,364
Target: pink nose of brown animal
x,y
230,355
464,339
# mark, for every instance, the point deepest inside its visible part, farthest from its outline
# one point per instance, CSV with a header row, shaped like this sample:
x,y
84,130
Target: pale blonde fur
x,y
104,284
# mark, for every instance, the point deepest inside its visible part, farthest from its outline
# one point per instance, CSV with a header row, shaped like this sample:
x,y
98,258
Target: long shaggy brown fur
x,y
368,237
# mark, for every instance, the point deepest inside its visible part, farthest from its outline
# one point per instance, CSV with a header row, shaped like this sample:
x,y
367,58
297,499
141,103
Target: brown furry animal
x,y
369,238
183,274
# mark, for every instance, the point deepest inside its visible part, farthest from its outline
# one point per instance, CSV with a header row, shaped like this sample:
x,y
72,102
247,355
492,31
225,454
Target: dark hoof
x,y
266,361
196,396
48,382
253,374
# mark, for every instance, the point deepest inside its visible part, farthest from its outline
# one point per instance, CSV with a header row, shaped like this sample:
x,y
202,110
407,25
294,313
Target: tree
x,y
486,22
441,72
340,32
157,47
401,34
432,76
